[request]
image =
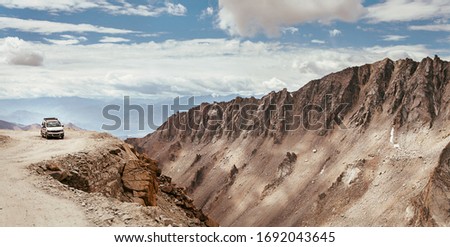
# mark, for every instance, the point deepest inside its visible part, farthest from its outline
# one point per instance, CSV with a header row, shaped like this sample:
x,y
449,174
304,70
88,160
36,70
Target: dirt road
x,y
28,197
23,204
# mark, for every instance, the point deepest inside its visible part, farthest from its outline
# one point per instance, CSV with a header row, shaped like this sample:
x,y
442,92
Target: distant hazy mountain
x,y
9,126
87,113
15,126
35,126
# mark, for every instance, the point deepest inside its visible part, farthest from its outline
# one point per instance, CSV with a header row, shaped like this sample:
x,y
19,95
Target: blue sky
x,y
162,48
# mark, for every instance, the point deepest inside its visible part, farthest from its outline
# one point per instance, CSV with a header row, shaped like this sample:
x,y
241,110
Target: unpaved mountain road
x,y
22,203
28,197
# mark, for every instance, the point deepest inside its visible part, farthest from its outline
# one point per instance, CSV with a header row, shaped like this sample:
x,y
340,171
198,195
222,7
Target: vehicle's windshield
x,y
53,124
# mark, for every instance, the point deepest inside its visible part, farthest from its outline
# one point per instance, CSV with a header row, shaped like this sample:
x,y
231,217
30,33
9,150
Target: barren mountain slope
x,y
360,147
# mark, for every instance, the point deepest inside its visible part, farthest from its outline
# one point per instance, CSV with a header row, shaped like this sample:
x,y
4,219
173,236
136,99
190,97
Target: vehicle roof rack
x,y
50,118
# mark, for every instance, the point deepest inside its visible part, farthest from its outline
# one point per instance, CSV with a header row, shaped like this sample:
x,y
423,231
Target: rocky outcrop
x,y
284,169
298,155
116,171
180,198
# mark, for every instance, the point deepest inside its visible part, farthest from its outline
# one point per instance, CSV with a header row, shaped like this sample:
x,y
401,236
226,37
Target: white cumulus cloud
x,y
49,27
290,30
51,5
394,37
408,10
209,11
108,39
273,84
15,51
158,69
249,17
334,32
431,27
318,41
66,40
176,9
118,7
63,41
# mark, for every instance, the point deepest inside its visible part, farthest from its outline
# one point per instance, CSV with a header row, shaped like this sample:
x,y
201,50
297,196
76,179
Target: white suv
x,y
52,127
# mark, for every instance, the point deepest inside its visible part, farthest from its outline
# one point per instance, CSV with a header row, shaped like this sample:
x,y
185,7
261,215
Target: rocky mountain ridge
x,y
366,142
409,91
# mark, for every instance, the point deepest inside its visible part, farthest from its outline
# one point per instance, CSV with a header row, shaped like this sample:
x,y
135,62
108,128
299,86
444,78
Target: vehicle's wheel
x,y
62,137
